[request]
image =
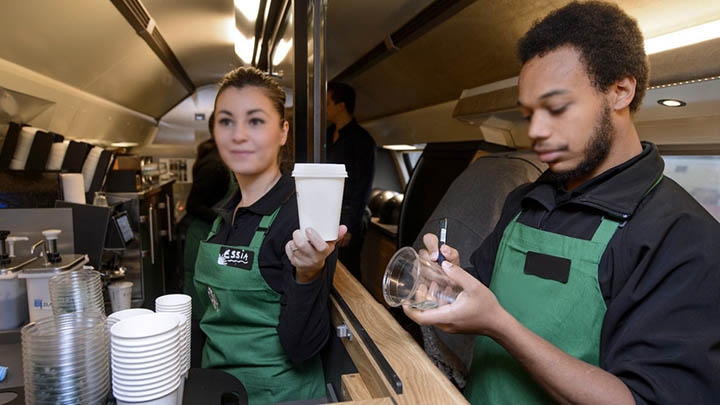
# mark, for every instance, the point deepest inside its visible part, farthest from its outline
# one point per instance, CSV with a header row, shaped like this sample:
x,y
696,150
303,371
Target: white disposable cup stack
x,y
73,187
145,357
180,304
319,188
120,295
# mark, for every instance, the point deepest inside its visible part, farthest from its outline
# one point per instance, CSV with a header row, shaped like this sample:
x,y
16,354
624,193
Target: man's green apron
x,y
568,313
240,317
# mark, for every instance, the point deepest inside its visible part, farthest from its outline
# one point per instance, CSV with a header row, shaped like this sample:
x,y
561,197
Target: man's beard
x,y
596,151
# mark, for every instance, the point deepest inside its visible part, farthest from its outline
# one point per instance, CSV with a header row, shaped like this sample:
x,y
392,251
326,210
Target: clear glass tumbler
x,y
419,282
100,199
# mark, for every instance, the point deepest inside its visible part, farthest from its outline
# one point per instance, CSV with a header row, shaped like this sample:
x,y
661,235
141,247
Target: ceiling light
x,y
281,51
668,102
400,147
244,47
199,117
688,36
124,144
248,8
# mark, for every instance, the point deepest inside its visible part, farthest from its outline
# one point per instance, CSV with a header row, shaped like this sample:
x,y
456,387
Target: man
x,y
603,275
350,144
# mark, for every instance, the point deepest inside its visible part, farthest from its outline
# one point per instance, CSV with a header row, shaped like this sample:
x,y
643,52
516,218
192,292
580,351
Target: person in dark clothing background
x,y
350,144
211,181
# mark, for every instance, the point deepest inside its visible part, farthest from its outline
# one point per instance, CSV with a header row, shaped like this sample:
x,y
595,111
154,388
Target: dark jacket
x,y
355,148
660,275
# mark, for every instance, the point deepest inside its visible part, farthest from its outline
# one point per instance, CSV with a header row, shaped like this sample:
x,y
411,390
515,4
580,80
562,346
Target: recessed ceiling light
x,y
688,36
668,102
124,144
199,117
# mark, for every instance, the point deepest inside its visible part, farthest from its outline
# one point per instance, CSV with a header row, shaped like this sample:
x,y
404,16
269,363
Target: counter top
x,y
388,229
11,357
422,382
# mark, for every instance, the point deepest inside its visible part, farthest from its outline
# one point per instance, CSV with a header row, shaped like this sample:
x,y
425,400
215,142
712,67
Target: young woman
x,y
263,284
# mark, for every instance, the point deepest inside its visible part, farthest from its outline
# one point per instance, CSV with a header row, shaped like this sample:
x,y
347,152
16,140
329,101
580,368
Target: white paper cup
x,y
319,189
120,295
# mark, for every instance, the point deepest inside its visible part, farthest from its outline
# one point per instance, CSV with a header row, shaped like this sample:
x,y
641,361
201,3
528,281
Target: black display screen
x,y
124,226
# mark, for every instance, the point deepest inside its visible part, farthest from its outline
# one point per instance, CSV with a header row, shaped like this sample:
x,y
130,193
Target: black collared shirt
x,y
304,324
660,274
354,148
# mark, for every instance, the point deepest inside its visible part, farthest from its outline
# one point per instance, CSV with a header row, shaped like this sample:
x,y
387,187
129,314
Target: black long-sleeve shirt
x,y
354,148
304,324
210,184
659,276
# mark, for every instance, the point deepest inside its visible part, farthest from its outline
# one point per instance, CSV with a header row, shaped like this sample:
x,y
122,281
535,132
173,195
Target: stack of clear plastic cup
x,y
76,291
66,359
180,304
145,358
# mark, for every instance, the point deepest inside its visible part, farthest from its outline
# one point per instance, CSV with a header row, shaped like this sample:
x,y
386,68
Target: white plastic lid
x,y
51,234
319,170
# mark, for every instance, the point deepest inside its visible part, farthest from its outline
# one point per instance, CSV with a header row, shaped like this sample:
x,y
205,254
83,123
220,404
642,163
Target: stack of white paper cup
x,y
145,359
73,187
90,165
319,188
118,316
22,148
57,155
120,295
180,304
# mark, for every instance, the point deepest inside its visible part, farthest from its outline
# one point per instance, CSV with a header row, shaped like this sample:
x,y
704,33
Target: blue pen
x,y
442,239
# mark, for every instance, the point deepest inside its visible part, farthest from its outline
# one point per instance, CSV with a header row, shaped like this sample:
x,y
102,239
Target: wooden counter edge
x,y
422,381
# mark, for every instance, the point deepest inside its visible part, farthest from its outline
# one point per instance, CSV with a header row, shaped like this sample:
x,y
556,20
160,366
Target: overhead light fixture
x,y
248,8
688,36
668,102
244,47
261,26
400,147
199,117
124,144
283,47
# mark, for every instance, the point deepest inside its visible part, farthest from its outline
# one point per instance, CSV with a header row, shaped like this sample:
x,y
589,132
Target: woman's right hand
x,y
308,251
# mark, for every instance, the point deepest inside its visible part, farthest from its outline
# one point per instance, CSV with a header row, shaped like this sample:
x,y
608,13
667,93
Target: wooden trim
x,y
423,382
353,388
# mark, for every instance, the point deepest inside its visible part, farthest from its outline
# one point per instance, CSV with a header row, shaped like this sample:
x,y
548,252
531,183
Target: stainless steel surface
x,y
16,265
145,258
67,262
31,222
474,46
169,210
151,215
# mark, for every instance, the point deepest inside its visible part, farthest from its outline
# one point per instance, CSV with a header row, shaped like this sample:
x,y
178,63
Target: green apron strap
x,y
215,226
605,231
262,228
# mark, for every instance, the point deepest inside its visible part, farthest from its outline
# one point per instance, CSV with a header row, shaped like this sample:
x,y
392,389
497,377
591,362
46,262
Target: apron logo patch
x,y
239,258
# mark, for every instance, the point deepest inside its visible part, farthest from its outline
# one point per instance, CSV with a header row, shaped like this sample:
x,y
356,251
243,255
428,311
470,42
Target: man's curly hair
x,y
609,41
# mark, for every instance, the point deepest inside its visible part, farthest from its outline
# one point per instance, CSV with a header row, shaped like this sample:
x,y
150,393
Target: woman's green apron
x,y
240,317
564,306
